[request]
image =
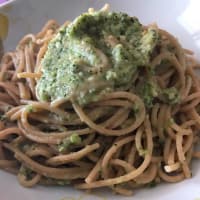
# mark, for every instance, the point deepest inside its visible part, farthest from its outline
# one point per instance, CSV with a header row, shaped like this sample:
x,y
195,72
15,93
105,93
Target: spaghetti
x,y
115,142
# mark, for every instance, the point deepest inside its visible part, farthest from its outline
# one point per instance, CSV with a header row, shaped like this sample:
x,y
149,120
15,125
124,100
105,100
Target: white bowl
x,y
180,17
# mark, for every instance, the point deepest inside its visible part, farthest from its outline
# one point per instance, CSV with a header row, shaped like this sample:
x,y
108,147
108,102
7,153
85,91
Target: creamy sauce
x,y
97,53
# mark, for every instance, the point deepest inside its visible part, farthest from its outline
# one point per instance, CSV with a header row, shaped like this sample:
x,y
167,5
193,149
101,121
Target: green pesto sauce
x,y
171,95
149,90
68,142
96,54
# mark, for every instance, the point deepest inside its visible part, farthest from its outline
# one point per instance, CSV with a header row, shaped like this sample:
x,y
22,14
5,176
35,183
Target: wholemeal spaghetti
x,y
115,142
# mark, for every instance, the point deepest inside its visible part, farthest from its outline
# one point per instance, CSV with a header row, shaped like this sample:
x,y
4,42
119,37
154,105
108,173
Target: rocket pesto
x,y
97,53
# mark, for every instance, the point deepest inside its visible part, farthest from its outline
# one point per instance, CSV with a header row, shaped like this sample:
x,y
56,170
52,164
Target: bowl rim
x,y
2,5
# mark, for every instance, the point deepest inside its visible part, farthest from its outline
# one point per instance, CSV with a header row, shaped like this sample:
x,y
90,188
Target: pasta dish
x,y
102,101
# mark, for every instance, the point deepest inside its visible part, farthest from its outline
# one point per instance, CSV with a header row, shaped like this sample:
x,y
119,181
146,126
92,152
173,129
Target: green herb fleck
x,y
30,108
171,121
52,181
171,96
100,172
6,76
3,117
152,184
7,108
136,108
25,147
74,139
143,152
27,172
63,182
148,92
170,48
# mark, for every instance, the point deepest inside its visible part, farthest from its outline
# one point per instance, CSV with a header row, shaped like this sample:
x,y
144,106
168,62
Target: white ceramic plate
x,y
180,17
